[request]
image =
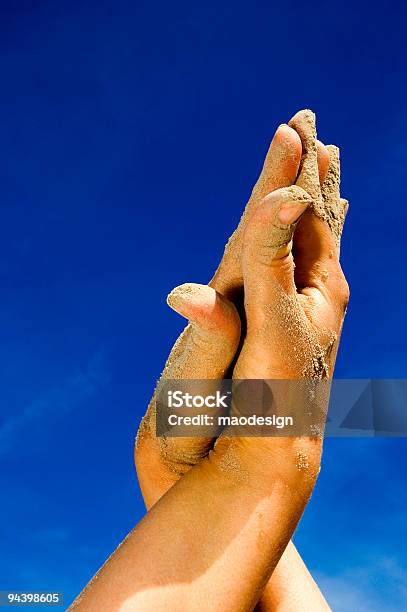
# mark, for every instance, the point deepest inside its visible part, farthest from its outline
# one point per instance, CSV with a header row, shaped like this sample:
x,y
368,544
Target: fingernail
x,y
289,213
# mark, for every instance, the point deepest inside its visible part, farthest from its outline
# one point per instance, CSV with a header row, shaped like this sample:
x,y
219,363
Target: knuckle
x,y
343,290
273,247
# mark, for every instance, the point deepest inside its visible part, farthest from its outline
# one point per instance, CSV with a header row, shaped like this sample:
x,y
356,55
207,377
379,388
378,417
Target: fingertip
x,y
189,298
333,150
287,152
286,135
304,122
282,161
345,206
206,308
178,294
284,205
303,117
285,195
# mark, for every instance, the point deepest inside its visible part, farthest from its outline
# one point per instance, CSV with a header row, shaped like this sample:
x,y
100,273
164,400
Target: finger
x,y
319,234
271,301
316,244
304,124
335,210
323,161
281,165
212,337
345,206
313,240
280,169
267,259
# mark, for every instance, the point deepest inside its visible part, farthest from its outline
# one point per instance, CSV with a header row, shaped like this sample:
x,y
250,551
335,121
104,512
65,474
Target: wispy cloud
x,y
381,584
60,400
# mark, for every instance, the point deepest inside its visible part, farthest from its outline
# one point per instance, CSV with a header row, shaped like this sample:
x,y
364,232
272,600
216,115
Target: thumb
x,y
267,245
204,351
212,336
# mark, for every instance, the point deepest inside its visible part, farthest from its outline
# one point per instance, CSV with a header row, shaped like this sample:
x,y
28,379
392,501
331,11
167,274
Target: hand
x,y
295,305
158,464
314,299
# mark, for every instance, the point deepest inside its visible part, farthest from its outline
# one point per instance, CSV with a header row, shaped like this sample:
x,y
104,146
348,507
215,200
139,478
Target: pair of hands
x,y
284,258
217,537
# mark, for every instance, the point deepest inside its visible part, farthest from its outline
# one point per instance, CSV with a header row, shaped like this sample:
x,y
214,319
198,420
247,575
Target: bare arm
x,y
291,584
214,537
291,587
172,559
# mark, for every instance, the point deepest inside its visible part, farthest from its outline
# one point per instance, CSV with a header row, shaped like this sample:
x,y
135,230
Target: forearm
x,y
291,587
216,536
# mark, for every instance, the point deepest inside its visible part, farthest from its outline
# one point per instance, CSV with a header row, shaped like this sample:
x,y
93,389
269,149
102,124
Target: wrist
x,y
260,463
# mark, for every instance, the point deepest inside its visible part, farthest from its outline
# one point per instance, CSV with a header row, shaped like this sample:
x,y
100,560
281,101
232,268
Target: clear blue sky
x,y
131,135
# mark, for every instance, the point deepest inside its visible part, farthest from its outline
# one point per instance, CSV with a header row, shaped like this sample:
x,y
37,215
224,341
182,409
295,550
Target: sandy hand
x,y
159,462
291,332
295,313
295,307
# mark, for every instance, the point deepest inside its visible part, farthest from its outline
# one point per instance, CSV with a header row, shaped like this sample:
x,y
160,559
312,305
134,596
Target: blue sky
x,y
131,135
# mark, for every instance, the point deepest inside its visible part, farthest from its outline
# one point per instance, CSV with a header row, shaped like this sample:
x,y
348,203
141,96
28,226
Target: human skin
x,y
159,468
208,344
165,561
